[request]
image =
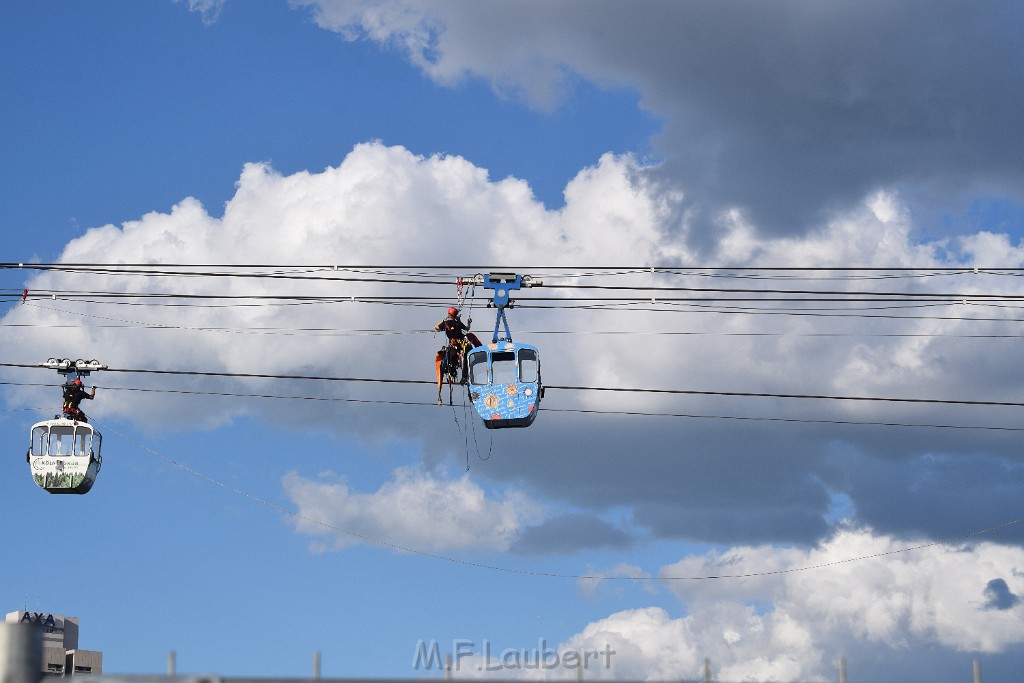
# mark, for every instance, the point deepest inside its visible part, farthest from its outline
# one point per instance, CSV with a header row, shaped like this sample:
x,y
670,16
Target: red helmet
x,y
77,382
453,311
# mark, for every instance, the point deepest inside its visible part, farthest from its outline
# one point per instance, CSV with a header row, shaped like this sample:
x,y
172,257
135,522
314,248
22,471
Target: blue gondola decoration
x,y
504,376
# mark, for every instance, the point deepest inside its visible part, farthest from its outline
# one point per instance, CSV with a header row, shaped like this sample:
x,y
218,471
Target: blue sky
x,y
127,85
246,533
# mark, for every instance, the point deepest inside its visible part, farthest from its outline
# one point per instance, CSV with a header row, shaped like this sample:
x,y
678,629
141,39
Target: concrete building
x,y
61,654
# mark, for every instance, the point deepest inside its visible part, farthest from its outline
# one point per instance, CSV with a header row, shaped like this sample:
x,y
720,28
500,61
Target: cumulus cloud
x,y
886,596
380,204
415,511
720,475
784,110
797,612
648,644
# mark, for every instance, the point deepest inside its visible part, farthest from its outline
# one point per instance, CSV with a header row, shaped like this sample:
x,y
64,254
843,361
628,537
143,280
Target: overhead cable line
x,y
802,293
329,274
727,296
359,332
603,269
581,411
678,392
675,308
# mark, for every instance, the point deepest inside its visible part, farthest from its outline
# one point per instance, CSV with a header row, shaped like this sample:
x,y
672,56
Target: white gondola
x,y
64,455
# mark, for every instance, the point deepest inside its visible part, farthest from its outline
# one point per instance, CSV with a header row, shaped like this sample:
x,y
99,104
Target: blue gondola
x,y
504,384
504,376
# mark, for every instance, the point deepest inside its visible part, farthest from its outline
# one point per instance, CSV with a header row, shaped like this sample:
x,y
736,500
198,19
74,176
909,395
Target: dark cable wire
x,y
682,392
580,411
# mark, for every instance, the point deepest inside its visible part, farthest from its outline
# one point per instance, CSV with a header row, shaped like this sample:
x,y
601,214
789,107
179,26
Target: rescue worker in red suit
x,y
461,338
74,393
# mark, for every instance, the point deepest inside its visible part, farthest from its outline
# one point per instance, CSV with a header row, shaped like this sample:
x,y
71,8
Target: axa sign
x,y
38,618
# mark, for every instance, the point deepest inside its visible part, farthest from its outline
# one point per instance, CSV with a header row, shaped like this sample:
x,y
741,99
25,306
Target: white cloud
x,y
648,644
933,595
415,511
383,205
796,626
452,45
209,9
786,110
796,612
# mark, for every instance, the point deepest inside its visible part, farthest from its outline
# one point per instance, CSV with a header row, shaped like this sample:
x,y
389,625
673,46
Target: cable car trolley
x,y
64,453
504,376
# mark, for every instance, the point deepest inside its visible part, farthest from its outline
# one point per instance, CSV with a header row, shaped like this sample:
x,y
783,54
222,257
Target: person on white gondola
x,y
74,393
